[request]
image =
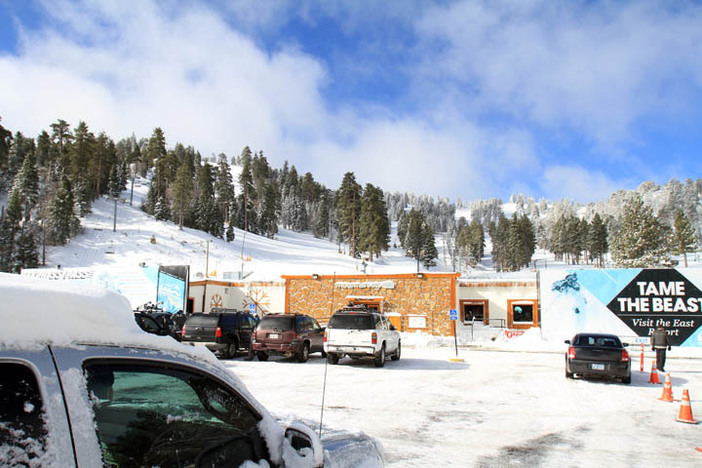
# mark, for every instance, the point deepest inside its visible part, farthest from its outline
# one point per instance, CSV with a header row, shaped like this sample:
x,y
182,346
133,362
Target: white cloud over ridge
x,y
209,81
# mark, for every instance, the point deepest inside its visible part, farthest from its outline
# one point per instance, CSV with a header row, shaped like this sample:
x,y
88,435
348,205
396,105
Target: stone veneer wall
x,y
432,296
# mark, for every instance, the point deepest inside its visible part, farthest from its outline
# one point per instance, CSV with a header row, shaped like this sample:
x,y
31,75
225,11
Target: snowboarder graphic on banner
x,y
660,343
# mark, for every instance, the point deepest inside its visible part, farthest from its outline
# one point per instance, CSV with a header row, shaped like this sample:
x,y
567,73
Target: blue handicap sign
x,y
252,308
453,314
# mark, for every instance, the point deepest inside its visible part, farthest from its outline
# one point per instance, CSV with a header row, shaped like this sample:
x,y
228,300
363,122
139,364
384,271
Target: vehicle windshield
x,y
601,341
352,321
278,322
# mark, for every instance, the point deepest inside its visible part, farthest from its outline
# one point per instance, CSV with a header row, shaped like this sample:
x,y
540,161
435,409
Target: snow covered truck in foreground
x,y
83,385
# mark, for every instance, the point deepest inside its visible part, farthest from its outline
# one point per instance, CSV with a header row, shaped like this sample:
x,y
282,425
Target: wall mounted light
x,y
315,276
420,275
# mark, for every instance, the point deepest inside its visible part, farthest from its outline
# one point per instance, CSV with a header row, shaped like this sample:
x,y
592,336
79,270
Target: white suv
x,y
361,333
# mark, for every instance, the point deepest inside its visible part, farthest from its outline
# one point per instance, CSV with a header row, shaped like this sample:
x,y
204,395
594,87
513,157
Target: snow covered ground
x,y
496,409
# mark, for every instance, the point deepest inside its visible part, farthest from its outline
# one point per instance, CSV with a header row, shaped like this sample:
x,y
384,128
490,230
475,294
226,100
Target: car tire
x,y
249,355
262,355
626,380
304,354
230,350
324,354
379,360
396,356
332,358
569,375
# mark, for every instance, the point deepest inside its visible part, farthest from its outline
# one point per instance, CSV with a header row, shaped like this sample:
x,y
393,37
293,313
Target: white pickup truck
x,y
361,333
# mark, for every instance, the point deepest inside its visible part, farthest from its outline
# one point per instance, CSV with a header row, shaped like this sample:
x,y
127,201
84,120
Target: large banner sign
x,y
167,284
172,289
627,302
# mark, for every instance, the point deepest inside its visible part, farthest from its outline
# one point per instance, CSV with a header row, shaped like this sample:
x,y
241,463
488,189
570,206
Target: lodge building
x,y
413,302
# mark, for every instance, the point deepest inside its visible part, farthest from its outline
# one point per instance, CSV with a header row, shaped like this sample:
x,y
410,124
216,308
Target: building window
x,y
523,314
475,309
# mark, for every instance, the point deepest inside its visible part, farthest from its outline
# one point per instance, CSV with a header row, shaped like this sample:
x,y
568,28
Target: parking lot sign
x,y
453,314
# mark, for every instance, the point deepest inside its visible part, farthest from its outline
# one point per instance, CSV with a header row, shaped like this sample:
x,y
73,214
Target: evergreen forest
x,y
48,182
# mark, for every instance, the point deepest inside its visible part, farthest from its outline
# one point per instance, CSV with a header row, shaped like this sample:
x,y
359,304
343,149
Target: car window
x,y
351,321
148,415
229,320
249,321
300,323
276,322
22,426
202,320
315,324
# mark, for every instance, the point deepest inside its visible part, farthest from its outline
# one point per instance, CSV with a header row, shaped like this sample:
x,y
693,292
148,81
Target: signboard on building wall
x,y
628,302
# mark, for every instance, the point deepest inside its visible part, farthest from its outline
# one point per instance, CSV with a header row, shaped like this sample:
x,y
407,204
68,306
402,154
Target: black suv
x,y
223,333
287,334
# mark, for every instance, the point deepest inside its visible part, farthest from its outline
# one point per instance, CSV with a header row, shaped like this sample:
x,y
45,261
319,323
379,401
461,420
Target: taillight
x,y
325,336
625,356
571,353
182,332
218,333
374,338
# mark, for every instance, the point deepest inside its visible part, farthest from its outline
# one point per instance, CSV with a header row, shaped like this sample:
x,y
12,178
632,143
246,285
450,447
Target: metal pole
x,y
455,339
114,223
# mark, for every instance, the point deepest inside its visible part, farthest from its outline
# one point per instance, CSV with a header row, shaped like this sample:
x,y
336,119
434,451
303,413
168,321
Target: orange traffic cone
x,y
667,389
685,409
654,374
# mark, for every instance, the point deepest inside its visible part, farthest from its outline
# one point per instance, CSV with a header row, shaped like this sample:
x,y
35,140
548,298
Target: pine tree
x,y
62,223
597,239
182,193
428,252
268,217
61,137
10,229
246,219
224,188
5,142
27,185
27,251
684,237
348,207
229,233
640,242
374,225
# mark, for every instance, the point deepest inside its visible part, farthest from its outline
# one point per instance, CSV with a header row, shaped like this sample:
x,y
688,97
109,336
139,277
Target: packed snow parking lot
x,y
495,409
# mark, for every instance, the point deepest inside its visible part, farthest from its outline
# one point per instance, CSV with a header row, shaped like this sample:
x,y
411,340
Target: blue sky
x,y
460,99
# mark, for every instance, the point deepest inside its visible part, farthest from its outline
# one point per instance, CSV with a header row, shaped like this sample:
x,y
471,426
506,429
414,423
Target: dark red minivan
x,y
290,335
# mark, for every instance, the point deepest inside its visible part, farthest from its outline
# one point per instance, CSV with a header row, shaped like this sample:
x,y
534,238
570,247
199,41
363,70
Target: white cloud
x,y
201,81
577,183
596,67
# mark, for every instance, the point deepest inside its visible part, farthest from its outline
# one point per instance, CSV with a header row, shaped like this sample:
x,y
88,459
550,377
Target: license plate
x,y
598,367
274,335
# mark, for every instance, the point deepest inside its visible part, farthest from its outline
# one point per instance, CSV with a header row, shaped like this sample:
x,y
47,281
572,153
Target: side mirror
x,y
392,327
567,341
625,345
302,443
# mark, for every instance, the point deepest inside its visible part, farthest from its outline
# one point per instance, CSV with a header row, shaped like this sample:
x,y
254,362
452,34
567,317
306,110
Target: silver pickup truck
x,y
83,386
361,333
